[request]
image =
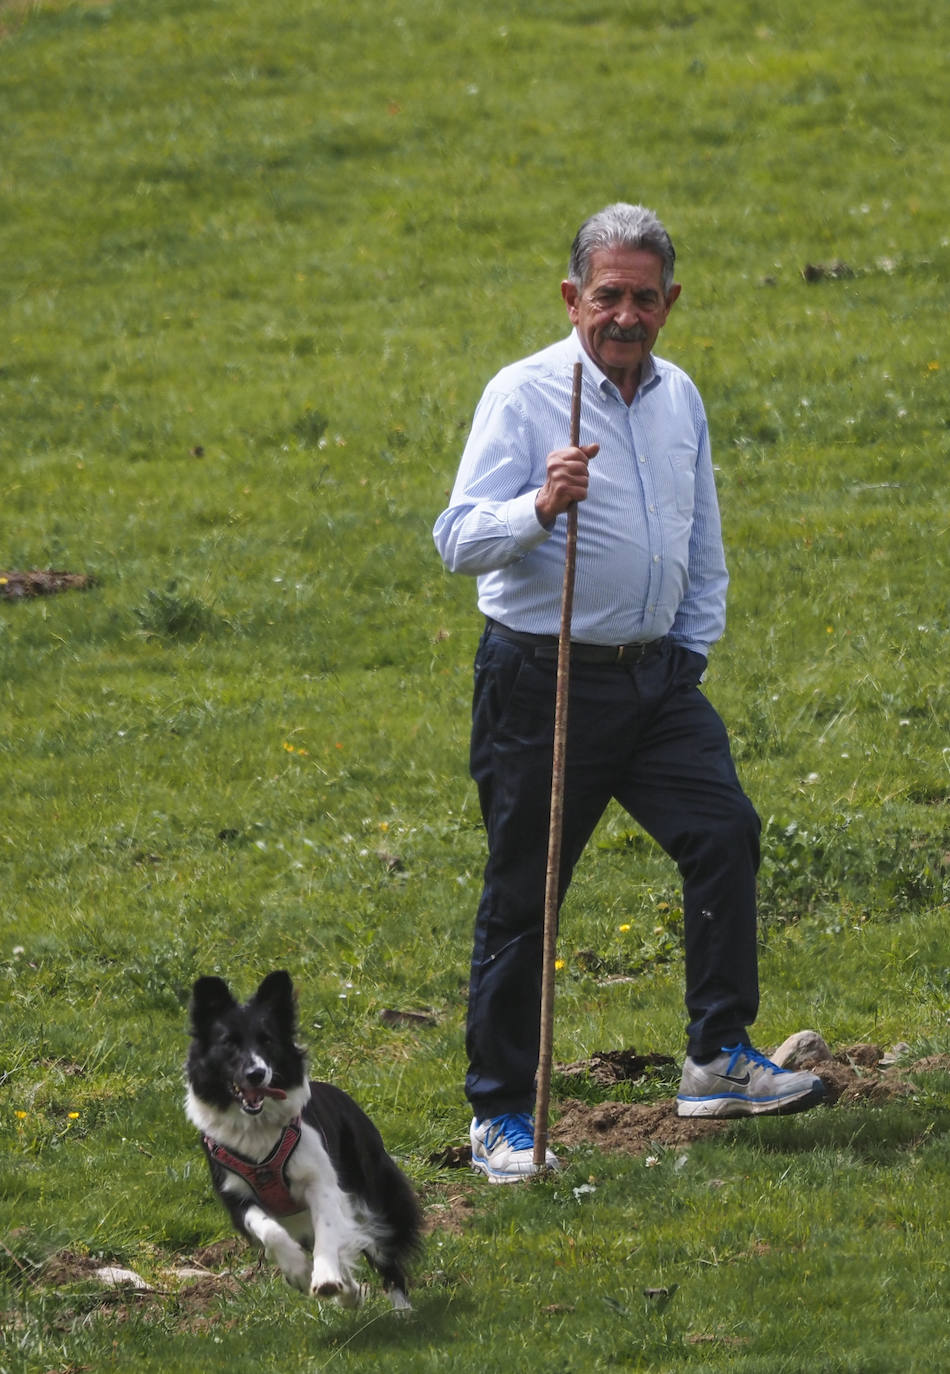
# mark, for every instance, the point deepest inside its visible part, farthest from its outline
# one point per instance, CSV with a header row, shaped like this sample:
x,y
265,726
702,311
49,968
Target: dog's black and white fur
x,y
332,1193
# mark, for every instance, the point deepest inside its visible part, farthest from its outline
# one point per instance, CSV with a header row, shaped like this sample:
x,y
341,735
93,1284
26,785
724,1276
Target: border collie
x,y
299,1166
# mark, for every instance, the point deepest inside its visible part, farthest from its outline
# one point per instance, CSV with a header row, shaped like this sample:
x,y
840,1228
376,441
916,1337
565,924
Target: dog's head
x,y
244,1053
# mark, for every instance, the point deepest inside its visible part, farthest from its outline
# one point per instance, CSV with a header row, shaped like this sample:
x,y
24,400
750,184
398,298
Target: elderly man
x,y
649,601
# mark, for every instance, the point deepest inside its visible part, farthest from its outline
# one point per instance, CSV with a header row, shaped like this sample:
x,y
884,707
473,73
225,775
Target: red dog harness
x,y
267,1180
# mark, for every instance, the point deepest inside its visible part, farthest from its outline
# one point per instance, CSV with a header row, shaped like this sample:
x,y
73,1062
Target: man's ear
x,y
672,298
571,297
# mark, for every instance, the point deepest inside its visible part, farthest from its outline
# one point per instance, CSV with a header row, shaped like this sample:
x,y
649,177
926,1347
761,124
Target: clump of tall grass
x,y
175,612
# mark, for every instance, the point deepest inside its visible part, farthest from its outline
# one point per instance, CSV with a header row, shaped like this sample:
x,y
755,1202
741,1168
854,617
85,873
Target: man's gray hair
x,y
621,226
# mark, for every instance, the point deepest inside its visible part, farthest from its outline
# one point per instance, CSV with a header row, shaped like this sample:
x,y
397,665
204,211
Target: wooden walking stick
x,y
552,879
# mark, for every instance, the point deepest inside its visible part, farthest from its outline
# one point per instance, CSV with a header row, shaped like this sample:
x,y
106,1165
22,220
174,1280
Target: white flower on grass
x,y
652,1161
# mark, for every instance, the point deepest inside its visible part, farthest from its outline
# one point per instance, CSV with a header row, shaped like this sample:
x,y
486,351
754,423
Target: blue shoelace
x,y
755,1056
516,1128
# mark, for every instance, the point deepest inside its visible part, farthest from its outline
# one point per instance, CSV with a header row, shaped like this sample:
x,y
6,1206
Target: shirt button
x,y
656,558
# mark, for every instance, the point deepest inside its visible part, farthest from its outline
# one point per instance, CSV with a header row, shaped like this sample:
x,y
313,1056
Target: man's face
x,y
620,310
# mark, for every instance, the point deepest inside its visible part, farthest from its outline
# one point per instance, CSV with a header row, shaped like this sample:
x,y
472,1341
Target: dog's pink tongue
x,y
273,1092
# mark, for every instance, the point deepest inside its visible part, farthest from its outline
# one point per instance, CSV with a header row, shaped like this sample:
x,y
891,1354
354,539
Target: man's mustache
x,y
635,335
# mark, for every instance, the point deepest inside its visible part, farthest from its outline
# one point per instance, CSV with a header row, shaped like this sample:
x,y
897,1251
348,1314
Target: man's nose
x,y
626,313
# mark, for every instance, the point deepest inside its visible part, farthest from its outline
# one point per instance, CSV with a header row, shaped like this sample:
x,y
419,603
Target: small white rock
x,y
116,1277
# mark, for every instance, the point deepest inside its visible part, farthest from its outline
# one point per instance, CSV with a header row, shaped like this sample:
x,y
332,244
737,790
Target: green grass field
x,y
258,263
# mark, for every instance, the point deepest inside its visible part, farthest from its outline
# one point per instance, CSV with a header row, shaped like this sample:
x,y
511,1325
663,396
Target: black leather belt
x,y
546,646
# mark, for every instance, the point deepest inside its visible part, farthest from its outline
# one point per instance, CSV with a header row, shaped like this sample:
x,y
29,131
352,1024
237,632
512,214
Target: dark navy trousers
x,y
648,737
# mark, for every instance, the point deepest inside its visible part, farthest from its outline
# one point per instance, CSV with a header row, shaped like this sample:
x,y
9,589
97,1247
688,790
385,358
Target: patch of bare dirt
x,y
65,1267
450,1212
628,1127
606,1067
859,1073
222,1252
192,1286
14,586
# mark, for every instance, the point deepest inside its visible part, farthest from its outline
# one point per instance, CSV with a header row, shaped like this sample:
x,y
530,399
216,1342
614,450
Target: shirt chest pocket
x,y
682,477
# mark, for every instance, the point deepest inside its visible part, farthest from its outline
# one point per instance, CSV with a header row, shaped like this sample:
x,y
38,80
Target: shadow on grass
x,y
876,1134
371,1334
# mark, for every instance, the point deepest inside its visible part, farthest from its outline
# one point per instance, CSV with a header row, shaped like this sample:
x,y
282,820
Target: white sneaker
x,y
503,1148
742,1082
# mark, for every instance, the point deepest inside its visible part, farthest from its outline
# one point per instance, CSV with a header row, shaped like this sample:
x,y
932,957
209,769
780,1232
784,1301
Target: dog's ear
x,y
210,999
277,992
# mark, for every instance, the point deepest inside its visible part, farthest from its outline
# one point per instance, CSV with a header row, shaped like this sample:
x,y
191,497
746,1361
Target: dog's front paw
x,y
329,1281
325,1279
299,1278
294,1263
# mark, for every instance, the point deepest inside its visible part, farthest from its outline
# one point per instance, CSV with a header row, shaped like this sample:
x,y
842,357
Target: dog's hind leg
x,y
401,1304
393,1275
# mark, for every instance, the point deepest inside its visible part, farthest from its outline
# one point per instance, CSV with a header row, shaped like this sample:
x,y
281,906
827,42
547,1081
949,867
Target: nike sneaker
x,y
742,1082
503,1148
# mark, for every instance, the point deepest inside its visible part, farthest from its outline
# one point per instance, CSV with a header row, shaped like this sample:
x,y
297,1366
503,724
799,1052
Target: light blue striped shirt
x,y
650,559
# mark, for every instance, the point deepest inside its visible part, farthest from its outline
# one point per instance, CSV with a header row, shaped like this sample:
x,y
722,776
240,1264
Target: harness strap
x,y
267,1180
